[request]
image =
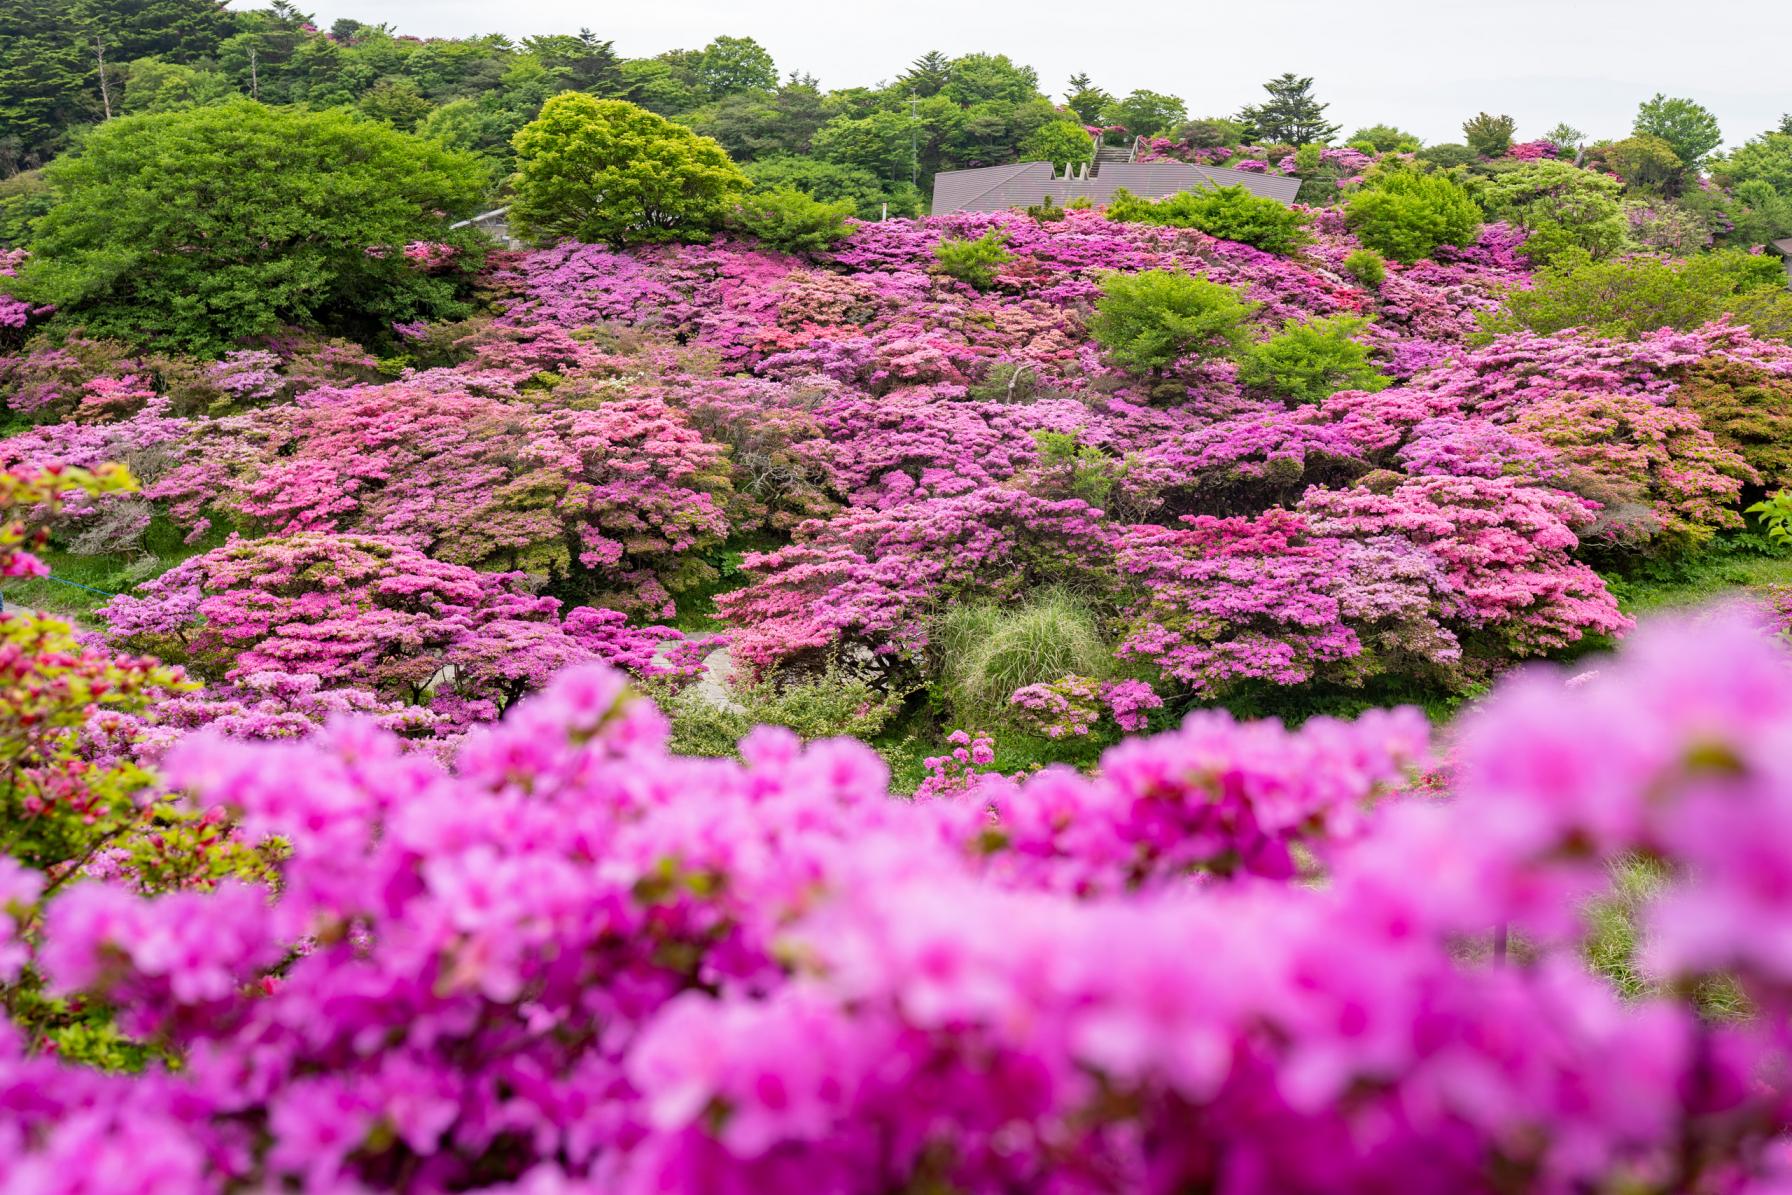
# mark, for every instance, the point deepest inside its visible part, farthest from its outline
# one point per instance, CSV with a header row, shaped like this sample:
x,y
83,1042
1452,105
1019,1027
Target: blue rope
x,y
78,585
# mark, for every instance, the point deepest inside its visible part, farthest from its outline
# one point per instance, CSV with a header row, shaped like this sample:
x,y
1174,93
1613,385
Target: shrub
x,y
1448,155
1562,207
974,262
1231,213
984,654
832,704
609,172
831,181
1060,142
205,226
1747,409
1406,215
1152,319
1646,164
1629,296
1366,266
1310,360
1489,136
1385,138
788,219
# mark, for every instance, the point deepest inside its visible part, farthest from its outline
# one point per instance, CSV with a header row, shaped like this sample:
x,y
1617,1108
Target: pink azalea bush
x,y
568,961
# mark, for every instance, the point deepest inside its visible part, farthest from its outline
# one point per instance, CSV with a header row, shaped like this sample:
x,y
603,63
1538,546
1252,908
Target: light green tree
x,y
612,172
1060,142
1690,129
1150,320
1406,215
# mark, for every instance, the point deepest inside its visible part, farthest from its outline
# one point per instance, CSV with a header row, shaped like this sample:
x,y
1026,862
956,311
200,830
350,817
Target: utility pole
x,y
99,49
914,140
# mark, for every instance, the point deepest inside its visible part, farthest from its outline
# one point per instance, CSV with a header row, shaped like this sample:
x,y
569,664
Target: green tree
x,y
1231,213
1767,158
755,125
927,75
1565,136
1155,318
1060,142
1690,129
1489,136
578,62
1646,163
44,71
983,78
1561,206
1386,139
1406,215
1211,132
788,219
610,171
829,181
209,225
23,199
1629,296
1308,361
730,65
1291,115
152,85
1147,113
396,101
1087,101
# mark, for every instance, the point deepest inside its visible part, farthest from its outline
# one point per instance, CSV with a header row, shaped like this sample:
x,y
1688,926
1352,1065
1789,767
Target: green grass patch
x,y
79,585
1730,567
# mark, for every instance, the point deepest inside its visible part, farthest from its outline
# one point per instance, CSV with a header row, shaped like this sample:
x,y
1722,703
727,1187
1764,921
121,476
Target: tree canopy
x,y
611,171
205,226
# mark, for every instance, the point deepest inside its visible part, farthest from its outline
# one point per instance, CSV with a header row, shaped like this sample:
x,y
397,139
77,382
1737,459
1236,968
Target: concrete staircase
x,y
1110,153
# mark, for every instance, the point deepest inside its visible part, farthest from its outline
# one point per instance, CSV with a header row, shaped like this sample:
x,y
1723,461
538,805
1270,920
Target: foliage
x,y
1629,296
1489,136
1748,409
1561,206
303,217
831,182
1385,138
1061,142
831,704
1366,266
1155,318
1647,164
1689,129
985,654
1232,213
612,172
1309,360
1766,159
791,220
1406,216
974,261
1291,115
1145,113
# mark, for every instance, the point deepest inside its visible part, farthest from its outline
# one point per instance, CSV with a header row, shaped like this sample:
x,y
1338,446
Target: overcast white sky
x,y
1422,64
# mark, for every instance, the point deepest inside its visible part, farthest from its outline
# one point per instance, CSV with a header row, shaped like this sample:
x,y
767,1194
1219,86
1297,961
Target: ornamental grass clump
x,y
985,653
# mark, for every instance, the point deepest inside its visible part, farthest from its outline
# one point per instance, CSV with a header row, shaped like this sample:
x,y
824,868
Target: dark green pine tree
x,y
45,67
1291,116
927,74
1087,100
173,30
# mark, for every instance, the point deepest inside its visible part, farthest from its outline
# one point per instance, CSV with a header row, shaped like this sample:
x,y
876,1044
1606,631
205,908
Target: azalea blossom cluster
x,y
567,961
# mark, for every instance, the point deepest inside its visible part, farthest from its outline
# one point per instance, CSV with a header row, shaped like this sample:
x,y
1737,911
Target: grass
x,y
1614,943
1735,564
82,584
697,605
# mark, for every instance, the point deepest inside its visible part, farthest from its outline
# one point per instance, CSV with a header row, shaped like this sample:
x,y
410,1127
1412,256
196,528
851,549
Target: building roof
x,y
1023,184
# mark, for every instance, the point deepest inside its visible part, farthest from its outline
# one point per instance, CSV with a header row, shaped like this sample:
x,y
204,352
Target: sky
x,y
1424,65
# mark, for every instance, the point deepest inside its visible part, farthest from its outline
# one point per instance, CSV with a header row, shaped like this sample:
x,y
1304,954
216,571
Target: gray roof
x,y
1023,184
